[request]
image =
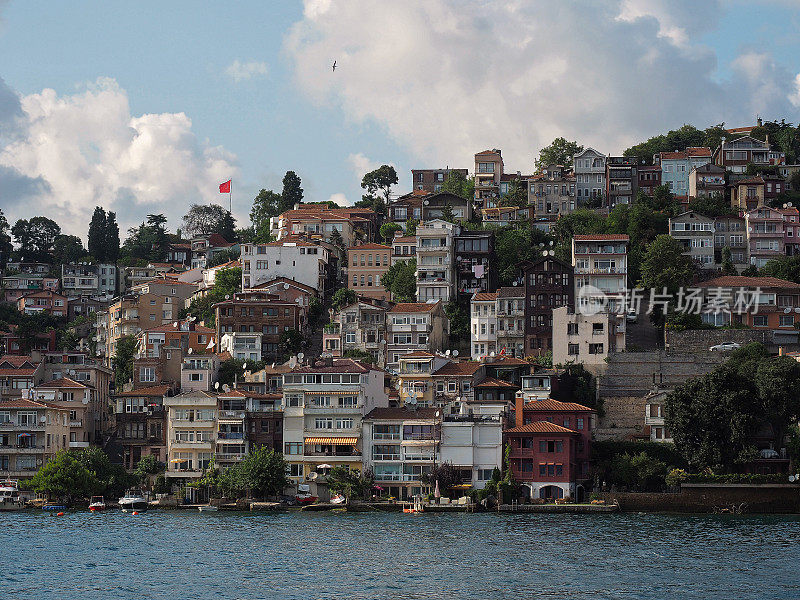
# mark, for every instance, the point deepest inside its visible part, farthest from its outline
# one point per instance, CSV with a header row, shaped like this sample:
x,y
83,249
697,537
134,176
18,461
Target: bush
x,y
675,477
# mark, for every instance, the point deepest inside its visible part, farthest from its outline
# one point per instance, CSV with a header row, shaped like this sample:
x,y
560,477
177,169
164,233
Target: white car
x,y
630,316
725,346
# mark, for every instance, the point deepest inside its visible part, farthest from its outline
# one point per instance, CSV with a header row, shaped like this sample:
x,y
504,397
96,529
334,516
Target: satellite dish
x,y
447,353
175,324
190,351
286,286
313,475
216,385
437,414
455,352
300,355
491,354
797,309
273,365
791,478
226,388
227,296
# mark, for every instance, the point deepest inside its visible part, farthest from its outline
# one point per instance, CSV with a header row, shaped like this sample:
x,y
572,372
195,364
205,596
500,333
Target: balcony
x,y
231,415
353,453
24,449
229,457
230,435
76,423
600,271
10,426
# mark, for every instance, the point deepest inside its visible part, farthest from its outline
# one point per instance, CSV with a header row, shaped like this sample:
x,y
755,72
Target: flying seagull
x,y
334,65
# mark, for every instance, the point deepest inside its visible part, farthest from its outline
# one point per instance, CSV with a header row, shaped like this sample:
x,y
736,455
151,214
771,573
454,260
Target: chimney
x,y
759,121
780,350
296,206
519,402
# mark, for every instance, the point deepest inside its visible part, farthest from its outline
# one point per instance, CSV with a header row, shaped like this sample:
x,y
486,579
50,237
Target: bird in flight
x,y
334,65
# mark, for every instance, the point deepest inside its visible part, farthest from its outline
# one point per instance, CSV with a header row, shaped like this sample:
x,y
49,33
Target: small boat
x,y
305,498
416,507
133,501
338,499
97,504
54,507
207,508
9,496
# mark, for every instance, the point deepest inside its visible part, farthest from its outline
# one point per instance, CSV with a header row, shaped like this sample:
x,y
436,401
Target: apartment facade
x,y
475,262
706,181
415,326
191,433
601,271
140,424
649,178
366,264
44,301
622,181
30,434
735,155
18,374
552,192
511,321
305,261
488,172
548,284
589,167
695,233
89,280
586,339
359,326
323,408
436,278
676,167
765,234
404,248
432,180
730,231
483,324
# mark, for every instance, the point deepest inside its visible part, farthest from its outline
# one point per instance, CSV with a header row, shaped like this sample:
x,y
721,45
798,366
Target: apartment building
x,y
18,374
191,433
483,324
432,180
205,248
765,234
695,233
288,290
323,408
552,192
366,264
306,261
415,326
199,372
748,193
141,424
706,180
44,301
89,280
84,406
354,225
488,172
676,167
589,167
360,326
548,284
622,181
436,279
30,434
415,383
407,207
511,320
404,248
730,231
232,443
475,263
264,419
252,322
586,339
791,230
735,155
601,271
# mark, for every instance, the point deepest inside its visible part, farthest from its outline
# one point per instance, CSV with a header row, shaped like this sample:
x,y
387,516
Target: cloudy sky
x,y
146,107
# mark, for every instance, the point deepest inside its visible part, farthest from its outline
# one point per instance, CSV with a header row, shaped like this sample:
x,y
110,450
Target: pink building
x,y
791,230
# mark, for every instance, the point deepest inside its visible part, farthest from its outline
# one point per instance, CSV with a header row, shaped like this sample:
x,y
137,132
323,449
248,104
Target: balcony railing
x,y
332,453
230,435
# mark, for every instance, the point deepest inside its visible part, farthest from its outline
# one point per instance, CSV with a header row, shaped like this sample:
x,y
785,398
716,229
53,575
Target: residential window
x,y
294,448
595,348
295,469
759,320
573,349
787,320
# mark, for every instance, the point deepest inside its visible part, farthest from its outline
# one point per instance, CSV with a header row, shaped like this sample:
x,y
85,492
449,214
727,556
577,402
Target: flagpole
x,y
230,198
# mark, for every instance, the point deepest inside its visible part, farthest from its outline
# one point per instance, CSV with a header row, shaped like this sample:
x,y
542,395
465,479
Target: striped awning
x,y
333,393
334,441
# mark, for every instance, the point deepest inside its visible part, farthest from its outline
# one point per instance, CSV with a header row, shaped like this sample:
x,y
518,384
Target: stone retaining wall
x,y
706,497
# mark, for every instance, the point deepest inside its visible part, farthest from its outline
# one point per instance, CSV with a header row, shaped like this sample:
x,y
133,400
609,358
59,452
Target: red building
x,y
649,178
550,447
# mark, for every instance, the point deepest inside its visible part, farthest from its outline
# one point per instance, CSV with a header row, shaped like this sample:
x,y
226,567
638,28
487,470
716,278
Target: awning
x,y
333,393
334,441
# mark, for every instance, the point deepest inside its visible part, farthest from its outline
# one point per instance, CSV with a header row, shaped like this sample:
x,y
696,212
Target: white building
x,y
436,277
191,433
473,443
323,406
89,280
483,322
601,267
587,339
590,175
199,372
300,260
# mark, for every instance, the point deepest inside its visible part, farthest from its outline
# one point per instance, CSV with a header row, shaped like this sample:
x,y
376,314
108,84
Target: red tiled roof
x,y
63,382
342,365
467,367
485,296
291,282
611,237
17,372
551,405
418,354
691,151
404,240
400,414
170,327
412,307
492,382
16,361
20,403
151,391
506,361
370,247
748,282
511,292
540,427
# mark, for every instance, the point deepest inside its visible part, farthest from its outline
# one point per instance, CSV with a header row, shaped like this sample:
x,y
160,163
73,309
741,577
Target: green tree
x,y
123,360
559,152
6,247
343,297
712,206
401,281
517,194
411,227
148,466
513,246
292,192
112,246
336,239
226,283
265,206
665,268
458,317
727,262
68,249
107,479
460,185
97,234
35,238
205,219
388,230
63,478
446,474
263,472
677,139
359,355
380,181
353,484
291,341
785,267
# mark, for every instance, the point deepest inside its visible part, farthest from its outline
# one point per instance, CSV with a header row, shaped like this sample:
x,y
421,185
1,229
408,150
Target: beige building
x,y
366,265
415,326
83,404
404,248
358,326
695,233
191,433
156,302
586,339
30,434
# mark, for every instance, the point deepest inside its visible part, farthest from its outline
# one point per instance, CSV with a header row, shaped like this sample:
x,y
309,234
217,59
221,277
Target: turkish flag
x,y
225,188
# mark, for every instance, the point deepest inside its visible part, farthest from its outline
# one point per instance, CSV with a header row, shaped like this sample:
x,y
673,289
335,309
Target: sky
x,y
146,107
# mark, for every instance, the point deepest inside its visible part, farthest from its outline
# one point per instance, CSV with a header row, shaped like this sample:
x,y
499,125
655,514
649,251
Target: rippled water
x,y
184,555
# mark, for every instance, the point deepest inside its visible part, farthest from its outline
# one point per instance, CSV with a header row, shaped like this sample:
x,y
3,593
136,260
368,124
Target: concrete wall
x,y
700,340
624,417
706,497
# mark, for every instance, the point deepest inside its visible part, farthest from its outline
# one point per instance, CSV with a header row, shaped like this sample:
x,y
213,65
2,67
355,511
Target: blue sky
x,y
412,89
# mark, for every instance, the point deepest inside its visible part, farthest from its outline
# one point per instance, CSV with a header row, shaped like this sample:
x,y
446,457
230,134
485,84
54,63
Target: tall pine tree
x,y
97,234
111,241
292,192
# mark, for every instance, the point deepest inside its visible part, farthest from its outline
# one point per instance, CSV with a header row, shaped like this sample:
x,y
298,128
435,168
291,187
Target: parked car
x,y
630,315
769,453
725,346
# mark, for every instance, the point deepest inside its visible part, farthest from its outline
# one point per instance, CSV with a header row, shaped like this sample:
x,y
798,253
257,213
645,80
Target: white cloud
x,y
74,152
340,198
241,71
794,96
361,165
448,78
